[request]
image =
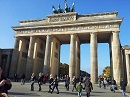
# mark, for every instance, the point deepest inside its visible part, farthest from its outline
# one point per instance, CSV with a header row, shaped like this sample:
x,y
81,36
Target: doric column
x,y
15,56
116,55
77,64
38,56
72,56
128,68
111,60
55,57
29,65
47,55
93,58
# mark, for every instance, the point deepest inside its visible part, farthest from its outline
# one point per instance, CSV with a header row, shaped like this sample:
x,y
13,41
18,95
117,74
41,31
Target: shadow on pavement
x,y
18,93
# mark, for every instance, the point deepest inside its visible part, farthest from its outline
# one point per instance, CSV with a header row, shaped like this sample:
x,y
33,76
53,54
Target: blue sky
x,y
12,11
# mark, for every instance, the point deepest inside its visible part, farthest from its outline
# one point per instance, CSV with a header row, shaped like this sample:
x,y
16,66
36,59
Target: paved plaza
x,y
19,90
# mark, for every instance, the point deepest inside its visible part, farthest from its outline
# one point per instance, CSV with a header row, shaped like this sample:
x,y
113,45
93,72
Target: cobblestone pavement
x,y
19,90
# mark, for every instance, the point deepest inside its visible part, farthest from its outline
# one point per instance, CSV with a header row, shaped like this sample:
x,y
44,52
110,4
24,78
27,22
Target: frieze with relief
x,y
73,28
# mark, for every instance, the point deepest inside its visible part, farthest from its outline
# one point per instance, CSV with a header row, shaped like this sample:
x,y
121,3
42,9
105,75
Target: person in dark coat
x,y
32,80
74,82
40,81
67,82
50,83
113,82
5,84
123,85
55,84
16,77
23,79
88,87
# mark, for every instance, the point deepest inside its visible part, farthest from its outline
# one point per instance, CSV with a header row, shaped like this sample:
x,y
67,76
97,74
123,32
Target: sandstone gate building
x,y
37,44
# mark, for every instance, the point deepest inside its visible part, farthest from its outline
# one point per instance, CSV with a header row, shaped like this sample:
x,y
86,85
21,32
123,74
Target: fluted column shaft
x,y
72,56
93,58
15,56
77,67
116,55
29,65
47,55
128,68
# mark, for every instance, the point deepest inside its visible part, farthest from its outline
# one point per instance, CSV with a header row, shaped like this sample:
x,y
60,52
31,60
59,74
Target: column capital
x,y
73,34
115,31
93,33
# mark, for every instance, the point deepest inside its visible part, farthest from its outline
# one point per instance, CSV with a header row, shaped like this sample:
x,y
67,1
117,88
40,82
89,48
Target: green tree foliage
x,y
106,72
63,69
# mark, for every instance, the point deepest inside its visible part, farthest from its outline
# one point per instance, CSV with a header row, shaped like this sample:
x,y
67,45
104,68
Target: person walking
x,y
67,82
113,82
104,83
50,83
79,89
88,87
15,77
74,82
55,84
23,79
32,80
123,85
40,81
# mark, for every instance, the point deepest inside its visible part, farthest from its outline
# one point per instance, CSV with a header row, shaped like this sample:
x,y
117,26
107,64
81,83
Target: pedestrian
x,y
113,82
32,80
15,77
88,87
104,83
79,89
55,84
50,83
67,82
99,81
40,81
74,82
123,85
23,79
5,84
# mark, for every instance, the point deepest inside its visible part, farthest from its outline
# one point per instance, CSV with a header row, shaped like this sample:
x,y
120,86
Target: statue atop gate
x,y
65,10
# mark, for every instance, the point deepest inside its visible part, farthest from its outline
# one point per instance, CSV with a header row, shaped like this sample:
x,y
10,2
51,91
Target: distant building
x,y
5,60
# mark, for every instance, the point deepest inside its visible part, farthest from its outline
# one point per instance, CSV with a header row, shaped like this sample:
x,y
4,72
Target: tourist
x,y
32,80
50,83
123,85
67,82
74,82
15,77
23,79
79,89
55,84
104,83
5,84
99,81
88,87
113,83
40,81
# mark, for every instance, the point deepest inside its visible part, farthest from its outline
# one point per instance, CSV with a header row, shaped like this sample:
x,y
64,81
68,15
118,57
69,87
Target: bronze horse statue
x,y
54,10
66,10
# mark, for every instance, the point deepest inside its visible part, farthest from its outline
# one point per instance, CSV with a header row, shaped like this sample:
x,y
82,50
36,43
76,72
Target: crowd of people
x,y
78,84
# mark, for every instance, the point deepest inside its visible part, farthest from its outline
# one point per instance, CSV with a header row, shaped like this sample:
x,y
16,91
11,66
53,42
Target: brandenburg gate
x,y
37,43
